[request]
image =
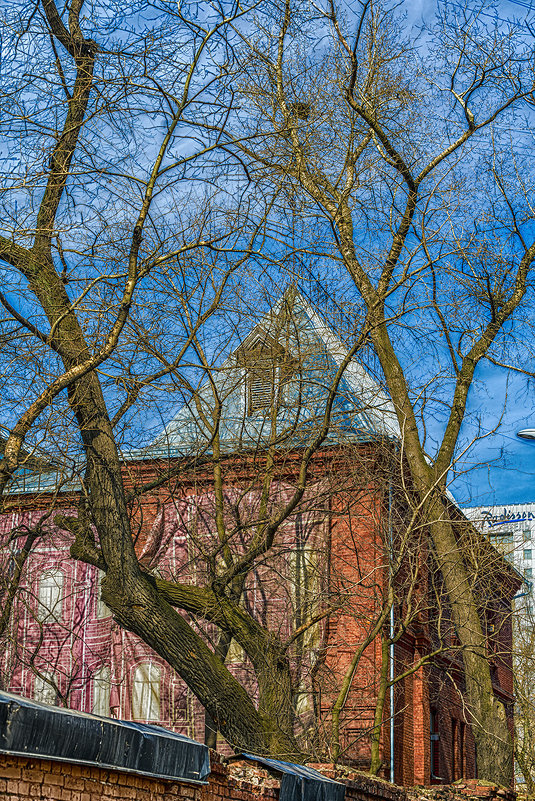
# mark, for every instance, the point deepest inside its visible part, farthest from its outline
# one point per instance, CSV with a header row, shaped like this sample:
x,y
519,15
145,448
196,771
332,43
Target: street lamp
x,y
526,433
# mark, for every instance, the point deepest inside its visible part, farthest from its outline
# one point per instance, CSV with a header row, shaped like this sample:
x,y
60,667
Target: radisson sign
x,y
506,516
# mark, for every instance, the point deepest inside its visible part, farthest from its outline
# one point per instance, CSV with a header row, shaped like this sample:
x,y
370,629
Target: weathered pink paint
x,y
76,644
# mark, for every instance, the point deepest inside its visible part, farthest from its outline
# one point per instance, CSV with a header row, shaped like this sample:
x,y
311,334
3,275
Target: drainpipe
x,y
391,636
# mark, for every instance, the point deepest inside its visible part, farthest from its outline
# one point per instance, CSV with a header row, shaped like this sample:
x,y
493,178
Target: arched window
x,y
101,691
146,692
44,688
50,596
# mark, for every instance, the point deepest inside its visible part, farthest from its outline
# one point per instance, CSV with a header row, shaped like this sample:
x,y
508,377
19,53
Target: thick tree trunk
x,y
135,602
270,662
138,607
486,713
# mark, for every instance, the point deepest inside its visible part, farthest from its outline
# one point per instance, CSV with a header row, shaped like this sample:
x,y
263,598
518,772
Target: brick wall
x,y
353,533
42,779
27,778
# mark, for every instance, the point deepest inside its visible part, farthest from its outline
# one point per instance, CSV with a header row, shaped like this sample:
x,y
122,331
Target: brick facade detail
x,y
344,519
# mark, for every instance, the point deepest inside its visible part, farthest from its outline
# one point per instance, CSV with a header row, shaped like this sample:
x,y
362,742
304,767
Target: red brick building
x,y
348,585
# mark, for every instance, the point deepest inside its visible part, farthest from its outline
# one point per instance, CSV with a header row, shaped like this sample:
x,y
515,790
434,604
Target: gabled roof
x,y
307,354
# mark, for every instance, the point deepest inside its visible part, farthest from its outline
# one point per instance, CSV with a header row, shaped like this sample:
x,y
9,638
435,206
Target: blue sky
x,y
502,465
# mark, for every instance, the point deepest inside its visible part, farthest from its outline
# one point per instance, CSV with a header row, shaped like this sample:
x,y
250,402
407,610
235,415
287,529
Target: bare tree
x,y
122,129
111,224
87,225
403,165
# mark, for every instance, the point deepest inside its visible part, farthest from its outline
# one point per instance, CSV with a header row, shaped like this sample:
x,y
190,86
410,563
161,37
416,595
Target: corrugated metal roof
x,y
31,728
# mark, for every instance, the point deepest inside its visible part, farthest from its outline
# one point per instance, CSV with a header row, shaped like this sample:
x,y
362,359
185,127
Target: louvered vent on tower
x,y
267,367
262,386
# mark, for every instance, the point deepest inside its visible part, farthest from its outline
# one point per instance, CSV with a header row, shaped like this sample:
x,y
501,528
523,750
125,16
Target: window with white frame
x,y
146,692
304,587
50,596
44,688
102,609
101,691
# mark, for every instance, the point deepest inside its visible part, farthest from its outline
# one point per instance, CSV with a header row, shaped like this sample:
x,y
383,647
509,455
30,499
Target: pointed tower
x,y
275,387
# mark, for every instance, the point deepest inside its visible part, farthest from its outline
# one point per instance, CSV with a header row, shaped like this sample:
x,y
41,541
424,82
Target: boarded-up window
x,y
44,688
50,596
101,691
146,692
